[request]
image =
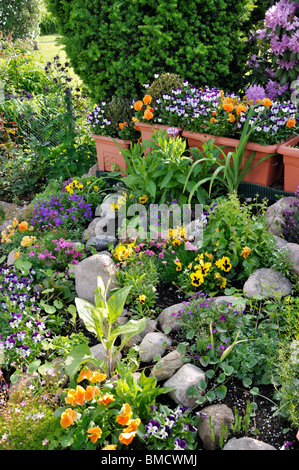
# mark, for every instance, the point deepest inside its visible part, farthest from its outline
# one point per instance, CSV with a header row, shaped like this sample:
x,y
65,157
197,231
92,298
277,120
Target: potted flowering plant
x,y
271,124
145,120
112,124
290,152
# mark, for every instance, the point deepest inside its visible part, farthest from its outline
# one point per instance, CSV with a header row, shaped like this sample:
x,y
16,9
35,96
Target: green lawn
x,y
49,48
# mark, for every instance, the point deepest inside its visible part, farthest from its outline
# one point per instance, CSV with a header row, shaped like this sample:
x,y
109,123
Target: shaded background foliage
x,y
116,46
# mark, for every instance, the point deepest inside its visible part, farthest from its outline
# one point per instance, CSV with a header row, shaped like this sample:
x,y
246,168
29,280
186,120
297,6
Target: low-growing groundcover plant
x,y
24,331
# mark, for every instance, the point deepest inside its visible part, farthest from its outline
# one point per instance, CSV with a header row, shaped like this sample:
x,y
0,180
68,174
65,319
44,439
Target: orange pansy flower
x,y
212,120
228,107
291,122
267,102
122,125
23,226
125,414
105,399
148,114
94,434
147,99
126,437
231,117
132,425
110,447
241,108
98,377
138,105
68,417
91,392
85,374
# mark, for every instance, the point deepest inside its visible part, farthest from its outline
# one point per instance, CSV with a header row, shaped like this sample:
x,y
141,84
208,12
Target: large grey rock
x,y
90,231
268,283
153,344
184,378
293,249
238,302
92,171
87,272
100,242
247,443
168,318
220,415
167,366
11,258
274,214
151,326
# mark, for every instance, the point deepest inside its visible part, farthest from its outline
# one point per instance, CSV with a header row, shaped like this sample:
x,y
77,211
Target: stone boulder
x,y
167,366
220,415
184,378
247,443
268,283
100,242
293,249
151,326
274,214
168,317
87,272
153,344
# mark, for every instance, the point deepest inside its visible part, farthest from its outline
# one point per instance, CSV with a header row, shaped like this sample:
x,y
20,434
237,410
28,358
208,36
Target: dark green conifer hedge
x,y
115,46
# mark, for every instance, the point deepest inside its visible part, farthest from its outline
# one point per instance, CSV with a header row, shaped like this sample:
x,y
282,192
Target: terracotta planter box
x,y
147,130
291,164
108,152
265,173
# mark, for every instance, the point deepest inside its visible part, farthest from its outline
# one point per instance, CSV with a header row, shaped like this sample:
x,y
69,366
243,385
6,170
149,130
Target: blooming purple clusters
x,y
97,119
279,40
185,104
61,211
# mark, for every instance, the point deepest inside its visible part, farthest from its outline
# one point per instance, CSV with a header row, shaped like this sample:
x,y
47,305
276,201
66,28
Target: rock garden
x,y
147,303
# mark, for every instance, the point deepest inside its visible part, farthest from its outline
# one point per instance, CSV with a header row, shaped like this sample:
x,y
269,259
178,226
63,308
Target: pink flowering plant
x,y
61,253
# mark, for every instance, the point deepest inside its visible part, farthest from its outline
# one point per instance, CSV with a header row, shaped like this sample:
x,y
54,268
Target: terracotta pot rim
x,y
287,147
107,138
231,142
155,124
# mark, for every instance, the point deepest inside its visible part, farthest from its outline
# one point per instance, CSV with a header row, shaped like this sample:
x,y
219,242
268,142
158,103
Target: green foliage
x,y
28,411
48,23
162,174
21,67
116,47
100,320
165,83
21,18
143,277
228,341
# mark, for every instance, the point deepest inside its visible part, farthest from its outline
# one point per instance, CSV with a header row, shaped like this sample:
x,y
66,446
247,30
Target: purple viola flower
x,y
179,444
152,427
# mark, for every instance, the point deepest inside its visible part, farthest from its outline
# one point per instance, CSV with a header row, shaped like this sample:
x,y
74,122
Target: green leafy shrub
x,y
21,18
116,47
165,83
